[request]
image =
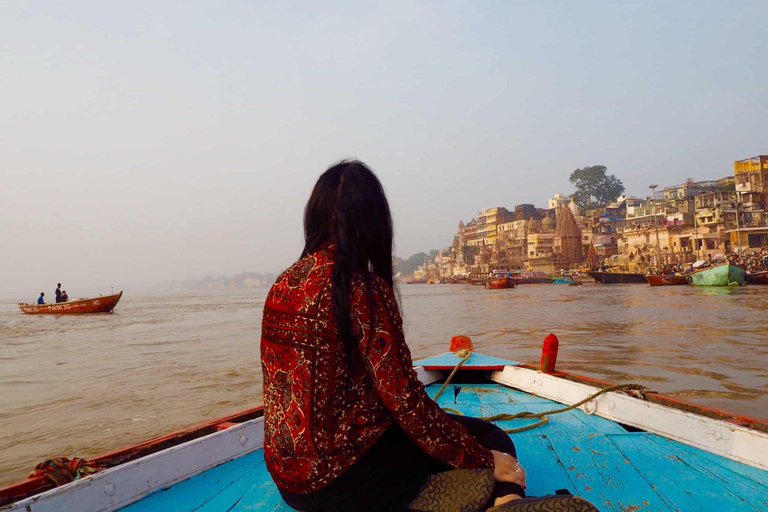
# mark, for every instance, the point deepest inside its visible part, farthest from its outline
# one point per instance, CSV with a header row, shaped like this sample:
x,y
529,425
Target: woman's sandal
x,y
457,490
550,503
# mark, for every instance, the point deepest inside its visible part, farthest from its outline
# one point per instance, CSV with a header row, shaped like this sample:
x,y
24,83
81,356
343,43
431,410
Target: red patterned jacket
x,y
322,410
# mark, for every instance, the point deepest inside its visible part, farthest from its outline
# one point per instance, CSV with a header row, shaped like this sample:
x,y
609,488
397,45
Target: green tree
x,y
594,188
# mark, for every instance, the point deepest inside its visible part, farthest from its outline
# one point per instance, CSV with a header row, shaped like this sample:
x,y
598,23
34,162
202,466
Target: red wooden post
x,y
549,354
460,343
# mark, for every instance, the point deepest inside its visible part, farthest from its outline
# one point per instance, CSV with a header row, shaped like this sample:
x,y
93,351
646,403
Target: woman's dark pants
x,y
389,475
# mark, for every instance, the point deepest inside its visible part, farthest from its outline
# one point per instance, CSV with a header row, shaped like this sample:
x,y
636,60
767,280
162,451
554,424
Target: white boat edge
x,y
128,483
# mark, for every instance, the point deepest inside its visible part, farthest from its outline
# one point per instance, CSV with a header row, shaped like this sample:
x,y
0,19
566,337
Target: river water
x,y
83,385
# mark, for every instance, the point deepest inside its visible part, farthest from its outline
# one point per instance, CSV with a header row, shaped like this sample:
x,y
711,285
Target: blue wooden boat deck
x,y
593,457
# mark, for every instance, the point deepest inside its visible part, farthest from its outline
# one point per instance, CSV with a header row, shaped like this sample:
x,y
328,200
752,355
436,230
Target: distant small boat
x,y
563,280
665,280
103,304
757,277
531,277
617,277
497,283
724,274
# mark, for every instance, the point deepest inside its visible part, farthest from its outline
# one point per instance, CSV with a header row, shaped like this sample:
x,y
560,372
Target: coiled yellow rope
x,y
542,416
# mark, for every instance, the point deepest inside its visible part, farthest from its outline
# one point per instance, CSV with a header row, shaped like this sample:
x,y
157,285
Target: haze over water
x,y
83,385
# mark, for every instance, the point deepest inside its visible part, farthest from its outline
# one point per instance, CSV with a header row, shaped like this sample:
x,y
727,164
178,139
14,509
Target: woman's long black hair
x,y
348,207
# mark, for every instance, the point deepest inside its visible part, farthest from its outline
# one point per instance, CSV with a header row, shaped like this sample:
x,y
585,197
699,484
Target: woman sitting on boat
x,y
348,425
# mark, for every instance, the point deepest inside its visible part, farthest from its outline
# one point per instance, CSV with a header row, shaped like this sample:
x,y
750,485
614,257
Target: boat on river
x,y
757,277
99,304
531,277
563,280
498,283
725,274
666,280
617,277
622,450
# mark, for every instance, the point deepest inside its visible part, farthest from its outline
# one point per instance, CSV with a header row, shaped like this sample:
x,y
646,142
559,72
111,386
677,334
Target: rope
x,y
61,470
542,416
464,354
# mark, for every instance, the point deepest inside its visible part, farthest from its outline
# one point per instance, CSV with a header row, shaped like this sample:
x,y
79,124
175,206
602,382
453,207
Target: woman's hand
x,y
507,469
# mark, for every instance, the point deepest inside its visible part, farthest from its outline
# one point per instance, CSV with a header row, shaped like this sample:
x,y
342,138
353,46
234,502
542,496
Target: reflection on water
x,y
85,385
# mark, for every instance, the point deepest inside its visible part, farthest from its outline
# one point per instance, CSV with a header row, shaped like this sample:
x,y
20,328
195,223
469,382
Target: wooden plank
x,y
544,470
128,483
716,436
740,478
427,376
495,394
570,424
256,492
603,475
195,492
683,478
448,360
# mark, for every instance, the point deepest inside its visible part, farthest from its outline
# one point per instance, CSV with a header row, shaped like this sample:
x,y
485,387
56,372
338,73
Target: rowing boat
x,y
665,280
757,277
639,452
103,304
497,283
724,274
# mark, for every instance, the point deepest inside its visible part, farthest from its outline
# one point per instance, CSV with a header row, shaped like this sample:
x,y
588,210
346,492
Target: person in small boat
x,y
348,426
58,292
64,296
41,299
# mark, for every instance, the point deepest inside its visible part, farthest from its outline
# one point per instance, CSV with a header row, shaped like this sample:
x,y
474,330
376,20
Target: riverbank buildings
x,y
678,224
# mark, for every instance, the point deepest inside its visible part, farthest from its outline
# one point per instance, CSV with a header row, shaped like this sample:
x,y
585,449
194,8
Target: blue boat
x,y
563,280
623,452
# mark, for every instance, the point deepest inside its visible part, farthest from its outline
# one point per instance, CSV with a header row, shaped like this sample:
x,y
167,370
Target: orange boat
x,y
103,304
496,283
665,280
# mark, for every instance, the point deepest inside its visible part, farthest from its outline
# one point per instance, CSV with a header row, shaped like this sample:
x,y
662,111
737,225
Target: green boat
x,y
720,275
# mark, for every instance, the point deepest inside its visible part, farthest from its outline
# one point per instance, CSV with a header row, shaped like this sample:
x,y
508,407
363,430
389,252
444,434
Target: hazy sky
x,y
146,141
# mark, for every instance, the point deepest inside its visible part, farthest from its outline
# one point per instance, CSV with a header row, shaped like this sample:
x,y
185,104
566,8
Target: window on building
x,y
757,241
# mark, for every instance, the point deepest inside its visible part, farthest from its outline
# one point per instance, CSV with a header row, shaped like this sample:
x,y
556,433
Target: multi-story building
x,y
604,224
751,221
483,230
689,189
512,242
752,178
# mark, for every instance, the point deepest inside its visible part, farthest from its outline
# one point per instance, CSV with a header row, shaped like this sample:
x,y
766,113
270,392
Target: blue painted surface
x,y
450,359
592,457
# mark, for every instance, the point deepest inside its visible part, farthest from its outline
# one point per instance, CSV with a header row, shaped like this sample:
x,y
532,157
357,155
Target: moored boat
x,y
622,450
665,280
724,274
563,280
617,277
103,304
531,277
757,277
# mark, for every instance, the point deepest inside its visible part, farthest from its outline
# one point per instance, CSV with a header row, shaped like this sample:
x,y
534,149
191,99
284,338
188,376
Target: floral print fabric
x,y
324,408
